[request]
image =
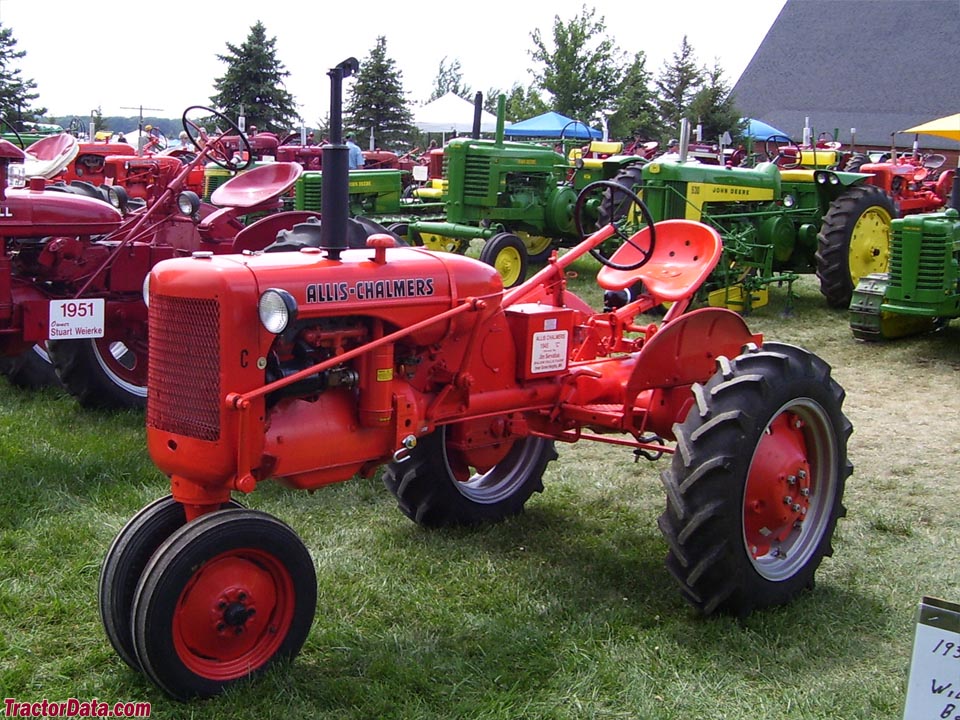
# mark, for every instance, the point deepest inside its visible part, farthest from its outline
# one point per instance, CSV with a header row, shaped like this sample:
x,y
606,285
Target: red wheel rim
x,y
234,614
777,497
789,499
125,364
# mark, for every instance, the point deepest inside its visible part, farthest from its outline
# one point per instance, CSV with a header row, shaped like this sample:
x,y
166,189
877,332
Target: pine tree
x,y
714,109
678,83
16,94
582,69
635,115
254,80
377,101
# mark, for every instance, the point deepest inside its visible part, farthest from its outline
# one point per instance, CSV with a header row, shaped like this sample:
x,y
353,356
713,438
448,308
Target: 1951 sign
x,y
75,319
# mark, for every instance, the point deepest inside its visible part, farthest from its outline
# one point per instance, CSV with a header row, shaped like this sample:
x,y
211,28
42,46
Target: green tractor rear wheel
x,y
854,241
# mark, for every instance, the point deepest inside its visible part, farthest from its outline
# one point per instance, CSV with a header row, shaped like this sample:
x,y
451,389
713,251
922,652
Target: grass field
x,y
563,612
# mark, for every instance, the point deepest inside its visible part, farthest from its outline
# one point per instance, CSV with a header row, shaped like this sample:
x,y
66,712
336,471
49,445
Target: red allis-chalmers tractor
x,y
314,366
72,267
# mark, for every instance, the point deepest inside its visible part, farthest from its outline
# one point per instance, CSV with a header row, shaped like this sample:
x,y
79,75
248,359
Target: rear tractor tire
x,y
854,241
439,485
755,488
102,373
30,370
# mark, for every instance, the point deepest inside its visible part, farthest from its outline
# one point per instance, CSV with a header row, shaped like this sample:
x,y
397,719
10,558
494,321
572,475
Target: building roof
x,y
878,66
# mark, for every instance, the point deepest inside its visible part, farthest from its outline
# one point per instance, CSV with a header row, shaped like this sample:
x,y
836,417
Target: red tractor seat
x,y
257,185
685,253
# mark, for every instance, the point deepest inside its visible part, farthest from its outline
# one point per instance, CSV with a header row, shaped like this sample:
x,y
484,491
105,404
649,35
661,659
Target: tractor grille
x,y
307,192
476,176
183,380
929,275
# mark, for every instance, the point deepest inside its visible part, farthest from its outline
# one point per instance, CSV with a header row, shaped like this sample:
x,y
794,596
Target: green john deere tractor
x,y
775,224
518,197
921,289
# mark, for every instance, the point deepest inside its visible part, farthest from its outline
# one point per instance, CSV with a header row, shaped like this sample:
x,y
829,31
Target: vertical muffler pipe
x,y
477,114
334,183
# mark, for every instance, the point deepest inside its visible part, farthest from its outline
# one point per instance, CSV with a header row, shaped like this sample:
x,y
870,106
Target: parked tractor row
x,y
72,266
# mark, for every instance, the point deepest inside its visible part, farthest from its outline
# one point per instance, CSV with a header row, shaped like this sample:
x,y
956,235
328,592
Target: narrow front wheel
x,y
224,597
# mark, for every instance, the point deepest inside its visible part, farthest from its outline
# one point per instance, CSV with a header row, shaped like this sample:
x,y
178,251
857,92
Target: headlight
x,y
16,175
277,309
118,197
789,201
146,290
188,202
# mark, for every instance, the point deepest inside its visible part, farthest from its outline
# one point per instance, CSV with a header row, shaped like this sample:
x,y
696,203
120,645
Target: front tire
x,y
507,253
854,241
224,597
755,489
123,564
439,485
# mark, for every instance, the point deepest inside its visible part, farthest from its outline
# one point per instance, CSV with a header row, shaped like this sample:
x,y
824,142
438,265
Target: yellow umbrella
x,y
948,127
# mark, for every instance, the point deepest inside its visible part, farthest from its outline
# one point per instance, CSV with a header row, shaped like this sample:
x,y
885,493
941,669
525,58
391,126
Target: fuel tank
x,y
36,213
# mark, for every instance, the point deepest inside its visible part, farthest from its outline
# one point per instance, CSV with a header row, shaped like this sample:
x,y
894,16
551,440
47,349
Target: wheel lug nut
x,y
792,480
787,499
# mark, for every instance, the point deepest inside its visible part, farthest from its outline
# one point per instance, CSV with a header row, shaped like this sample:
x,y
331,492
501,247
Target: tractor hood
x,y
37,213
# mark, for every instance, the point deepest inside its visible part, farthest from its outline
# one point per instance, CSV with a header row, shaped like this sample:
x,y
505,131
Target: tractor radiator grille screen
x,y
476,177
929,269
183,380
307,193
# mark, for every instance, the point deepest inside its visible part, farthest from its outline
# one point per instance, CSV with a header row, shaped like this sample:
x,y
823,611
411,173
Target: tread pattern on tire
x,y
702,522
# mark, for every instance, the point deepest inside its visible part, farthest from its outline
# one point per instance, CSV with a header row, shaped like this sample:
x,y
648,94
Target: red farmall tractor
x,y
917,183
72,267
315,366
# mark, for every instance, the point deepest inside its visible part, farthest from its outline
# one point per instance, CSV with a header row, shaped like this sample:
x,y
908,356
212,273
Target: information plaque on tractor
x,y
933,688
76,319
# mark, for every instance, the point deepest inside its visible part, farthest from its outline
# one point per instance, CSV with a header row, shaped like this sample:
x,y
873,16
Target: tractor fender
x,y
683,352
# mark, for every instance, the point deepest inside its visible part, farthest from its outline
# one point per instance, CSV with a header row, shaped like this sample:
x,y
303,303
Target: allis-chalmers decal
x,y
369,290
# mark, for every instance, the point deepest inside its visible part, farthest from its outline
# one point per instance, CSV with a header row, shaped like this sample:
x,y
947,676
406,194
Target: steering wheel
x,y
216,150
9,126
774,146
645,252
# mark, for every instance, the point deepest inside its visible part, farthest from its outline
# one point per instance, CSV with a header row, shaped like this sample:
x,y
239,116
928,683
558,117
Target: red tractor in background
x,y
314,366
72,267
917,183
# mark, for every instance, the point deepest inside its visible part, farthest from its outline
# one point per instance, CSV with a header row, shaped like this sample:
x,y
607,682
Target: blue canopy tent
x,y
759,130
551,125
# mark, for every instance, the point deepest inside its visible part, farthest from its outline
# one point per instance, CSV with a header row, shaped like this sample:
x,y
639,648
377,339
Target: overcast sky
x,y
162,55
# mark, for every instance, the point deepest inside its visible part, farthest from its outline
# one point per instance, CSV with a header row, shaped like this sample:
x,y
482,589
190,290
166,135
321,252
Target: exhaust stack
x,y
334,184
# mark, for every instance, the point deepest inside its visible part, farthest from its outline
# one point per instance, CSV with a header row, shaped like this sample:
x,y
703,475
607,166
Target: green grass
x,y
563,612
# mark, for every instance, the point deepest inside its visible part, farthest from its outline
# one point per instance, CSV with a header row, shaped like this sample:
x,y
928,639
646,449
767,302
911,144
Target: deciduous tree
x,y
450,79
581,66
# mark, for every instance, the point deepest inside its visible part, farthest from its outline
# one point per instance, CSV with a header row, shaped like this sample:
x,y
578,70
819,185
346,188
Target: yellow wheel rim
x,y
536,244
509,264
870,244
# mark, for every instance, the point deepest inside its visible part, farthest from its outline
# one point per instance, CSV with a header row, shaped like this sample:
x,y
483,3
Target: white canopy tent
x,y
451,114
